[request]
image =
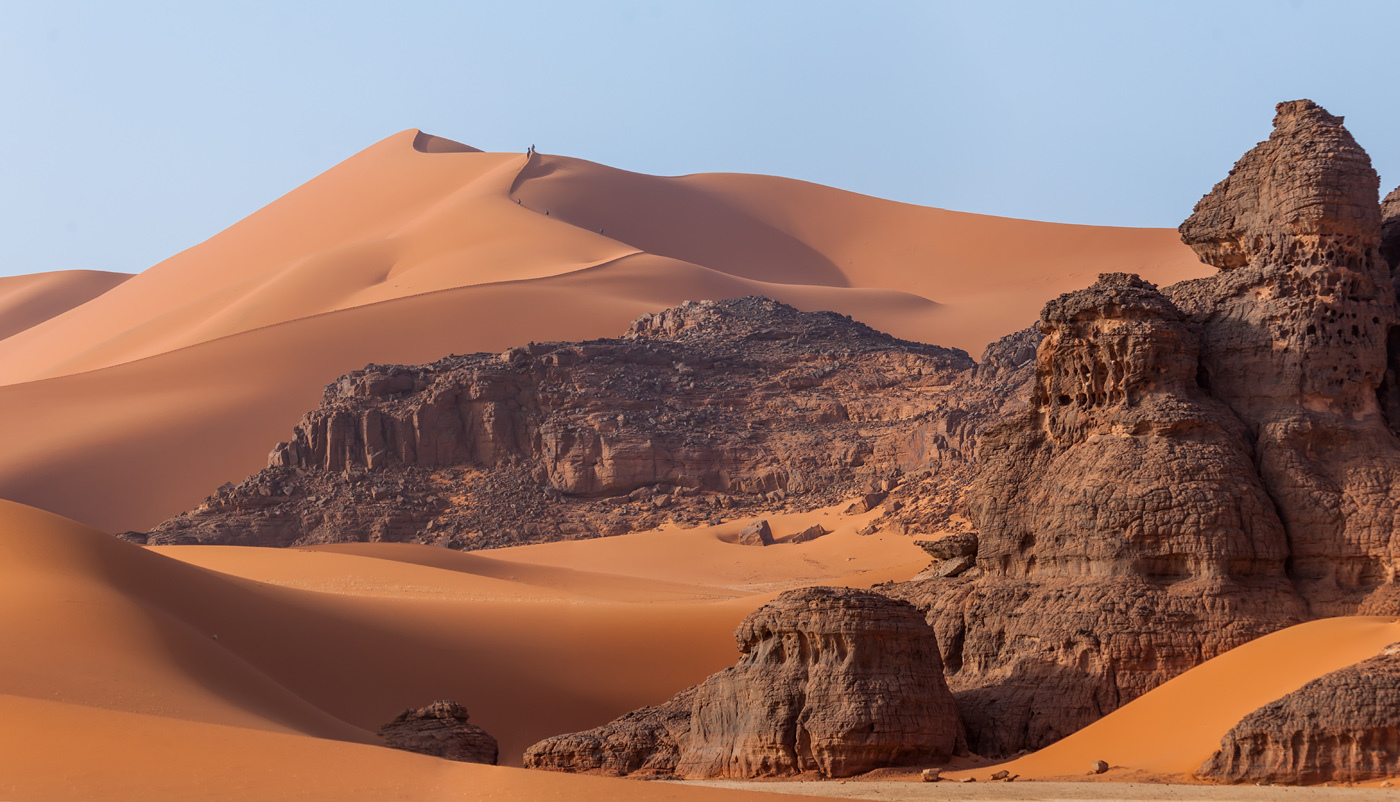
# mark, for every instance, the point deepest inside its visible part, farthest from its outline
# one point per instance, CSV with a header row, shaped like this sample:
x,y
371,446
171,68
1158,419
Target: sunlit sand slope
x,y
27,301
1173,729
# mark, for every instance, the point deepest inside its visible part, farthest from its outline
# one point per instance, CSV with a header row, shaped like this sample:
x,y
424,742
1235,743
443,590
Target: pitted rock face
x,y
1124,533
442,730
1122,466
1341,727
831,681
1390,228
1296,344
1109,346
1307,195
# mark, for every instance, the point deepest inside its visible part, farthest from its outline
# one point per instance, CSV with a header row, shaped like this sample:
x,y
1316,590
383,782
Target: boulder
x,y
810,533
959,544
757,533
831,681
441,729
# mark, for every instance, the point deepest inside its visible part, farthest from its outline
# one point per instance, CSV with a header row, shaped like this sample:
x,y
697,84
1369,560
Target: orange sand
x,y
1171,730
27,301
121,662
417,247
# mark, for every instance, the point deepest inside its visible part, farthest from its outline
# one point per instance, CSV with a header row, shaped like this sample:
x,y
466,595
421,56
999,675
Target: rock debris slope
x,y
832,681
706,409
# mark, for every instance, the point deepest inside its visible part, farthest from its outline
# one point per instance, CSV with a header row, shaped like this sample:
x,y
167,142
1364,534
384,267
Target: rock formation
x,y
1342,727
1123,534
1197,466
1293,338
831,680
1390,228
710,409
441,729
645,742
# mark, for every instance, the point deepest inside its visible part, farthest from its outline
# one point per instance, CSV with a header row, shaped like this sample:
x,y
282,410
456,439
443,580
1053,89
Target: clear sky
x,y
136,129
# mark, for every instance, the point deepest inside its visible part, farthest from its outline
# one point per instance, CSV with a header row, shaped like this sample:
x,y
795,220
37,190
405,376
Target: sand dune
x,y
27,301
224,648
415,213
406,252
1170,731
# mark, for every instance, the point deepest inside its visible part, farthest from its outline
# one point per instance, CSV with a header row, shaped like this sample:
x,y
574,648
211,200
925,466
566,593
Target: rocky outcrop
x,y
1390,228
647,742
831,681
1197,466
1342,727
1123,533
709,410
1294,339
441,729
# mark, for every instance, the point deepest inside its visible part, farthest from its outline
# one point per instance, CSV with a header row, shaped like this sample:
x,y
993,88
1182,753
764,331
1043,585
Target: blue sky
x,y
137,129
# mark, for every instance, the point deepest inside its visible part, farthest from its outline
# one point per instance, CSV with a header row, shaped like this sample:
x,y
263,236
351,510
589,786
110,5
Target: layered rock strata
x,y
1342,727
709,410
442,730
832,681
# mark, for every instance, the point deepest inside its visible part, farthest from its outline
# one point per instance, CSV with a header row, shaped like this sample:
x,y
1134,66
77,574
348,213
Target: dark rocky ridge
x,y
709,409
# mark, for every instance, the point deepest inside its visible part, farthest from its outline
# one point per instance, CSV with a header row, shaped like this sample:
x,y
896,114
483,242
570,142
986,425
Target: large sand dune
x,y
134,405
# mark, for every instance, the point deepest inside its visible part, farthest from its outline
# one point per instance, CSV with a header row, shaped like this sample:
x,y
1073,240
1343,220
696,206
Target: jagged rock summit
x,y
711,409
831,681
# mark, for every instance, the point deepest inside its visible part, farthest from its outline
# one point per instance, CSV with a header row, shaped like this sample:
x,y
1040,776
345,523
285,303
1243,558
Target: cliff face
x,y
700,411
831,681
1341,727
1197,466
1124,535
1294,340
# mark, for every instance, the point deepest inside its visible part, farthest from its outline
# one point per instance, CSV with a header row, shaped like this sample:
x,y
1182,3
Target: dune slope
x,y
27,301
1171,730
283,656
